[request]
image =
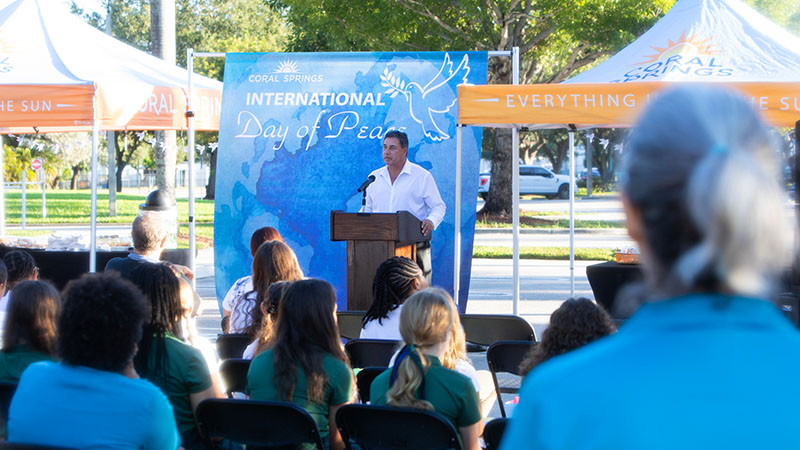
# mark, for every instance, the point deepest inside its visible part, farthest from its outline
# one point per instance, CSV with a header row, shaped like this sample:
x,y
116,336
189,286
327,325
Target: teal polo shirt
x,y
451,393
695,372
338,390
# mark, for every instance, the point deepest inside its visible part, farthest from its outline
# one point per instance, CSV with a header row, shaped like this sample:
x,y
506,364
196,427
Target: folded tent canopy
x,y
60,74
698,41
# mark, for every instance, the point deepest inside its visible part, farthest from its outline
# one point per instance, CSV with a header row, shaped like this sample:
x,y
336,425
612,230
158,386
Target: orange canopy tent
x,y
697,41
60,74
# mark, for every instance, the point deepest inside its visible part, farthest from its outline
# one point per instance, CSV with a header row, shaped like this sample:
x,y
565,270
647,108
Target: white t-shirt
x,y
388,328
241,317
250,350
238,305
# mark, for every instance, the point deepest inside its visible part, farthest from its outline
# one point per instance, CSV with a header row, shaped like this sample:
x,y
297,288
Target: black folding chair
x,y
234,374
364,380
506,356
350,323
7,391
493,433
390,428
483,330
232,345
256,424
371,352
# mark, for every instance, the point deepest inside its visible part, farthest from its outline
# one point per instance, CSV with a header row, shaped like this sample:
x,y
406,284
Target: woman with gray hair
x,y
697,364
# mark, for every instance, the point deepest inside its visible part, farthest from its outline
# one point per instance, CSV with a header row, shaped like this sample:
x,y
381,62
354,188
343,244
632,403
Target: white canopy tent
x,y
60,74
708,41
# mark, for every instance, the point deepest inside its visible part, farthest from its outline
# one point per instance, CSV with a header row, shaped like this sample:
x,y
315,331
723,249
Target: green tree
x,y
205,26
556,39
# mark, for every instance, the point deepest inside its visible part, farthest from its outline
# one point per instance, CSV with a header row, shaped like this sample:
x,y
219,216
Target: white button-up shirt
x,y
414,191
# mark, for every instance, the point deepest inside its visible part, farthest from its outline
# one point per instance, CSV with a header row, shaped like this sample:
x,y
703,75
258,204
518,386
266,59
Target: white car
x,y
533,180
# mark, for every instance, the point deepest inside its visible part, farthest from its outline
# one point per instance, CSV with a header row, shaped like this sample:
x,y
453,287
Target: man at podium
x,y
404,186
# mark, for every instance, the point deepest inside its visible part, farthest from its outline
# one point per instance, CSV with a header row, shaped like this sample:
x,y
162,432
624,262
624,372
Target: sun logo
x,y
287,66
8,44
687,47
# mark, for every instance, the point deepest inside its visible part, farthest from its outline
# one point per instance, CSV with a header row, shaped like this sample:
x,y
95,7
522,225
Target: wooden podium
x,y
372,238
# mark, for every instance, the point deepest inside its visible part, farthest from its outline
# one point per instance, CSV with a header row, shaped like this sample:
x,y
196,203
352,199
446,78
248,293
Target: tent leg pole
x,y
190,154
515,191
572,211
457,227
93,226
2,188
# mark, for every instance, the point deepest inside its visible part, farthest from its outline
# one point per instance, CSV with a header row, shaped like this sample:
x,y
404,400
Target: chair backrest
x,y
7,391
364,380
15,446
505,357
371,352
350,323
493,433
486,329
253,423
234,374
389,428
232,345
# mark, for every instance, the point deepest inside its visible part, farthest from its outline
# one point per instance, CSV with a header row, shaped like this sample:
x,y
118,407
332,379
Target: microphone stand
x,y
363,202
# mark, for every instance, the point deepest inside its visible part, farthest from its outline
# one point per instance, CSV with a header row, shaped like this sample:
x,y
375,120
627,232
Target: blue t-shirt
x,y
79,407
694,372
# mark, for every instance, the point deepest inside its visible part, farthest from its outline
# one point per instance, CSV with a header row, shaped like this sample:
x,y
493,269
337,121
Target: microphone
x,y
364,185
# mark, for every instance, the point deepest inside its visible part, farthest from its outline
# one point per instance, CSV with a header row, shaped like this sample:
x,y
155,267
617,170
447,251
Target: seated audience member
x,y
244,285
418,379
698,364
577,322
274,261
29,331
396,279
306,364
20,266
455,358
163,358
264,329
93,398
149,235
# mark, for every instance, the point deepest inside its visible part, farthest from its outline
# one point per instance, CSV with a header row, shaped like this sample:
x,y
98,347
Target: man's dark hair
x,y
101,322
400,136
20,265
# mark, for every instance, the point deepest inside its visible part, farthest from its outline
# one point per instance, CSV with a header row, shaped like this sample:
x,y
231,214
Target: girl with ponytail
x,y
699,357
418,379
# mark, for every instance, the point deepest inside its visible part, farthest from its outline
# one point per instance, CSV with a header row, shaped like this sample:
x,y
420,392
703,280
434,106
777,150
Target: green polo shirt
x,y
186,372
338,390
451,393
16,360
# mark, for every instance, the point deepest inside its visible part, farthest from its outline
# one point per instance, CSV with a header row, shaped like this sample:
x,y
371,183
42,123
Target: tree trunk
x,y
211,187
76,170
162,36
118,174
499,201
165,156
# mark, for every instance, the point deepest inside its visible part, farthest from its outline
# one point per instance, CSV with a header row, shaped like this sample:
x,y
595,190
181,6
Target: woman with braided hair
x,y
396,279
418,378
20,266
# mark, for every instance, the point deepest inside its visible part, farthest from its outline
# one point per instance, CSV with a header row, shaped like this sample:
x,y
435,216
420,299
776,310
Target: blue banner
x,y
299,132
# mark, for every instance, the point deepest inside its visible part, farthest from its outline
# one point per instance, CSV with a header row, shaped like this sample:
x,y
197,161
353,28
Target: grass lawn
x,y
68,206
562,253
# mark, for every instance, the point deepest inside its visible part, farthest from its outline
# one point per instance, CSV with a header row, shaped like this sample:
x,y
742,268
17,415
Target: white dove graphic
x,y
424,103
